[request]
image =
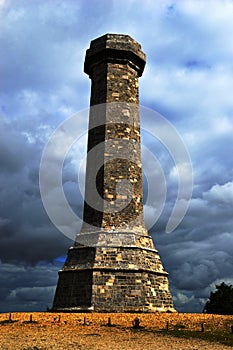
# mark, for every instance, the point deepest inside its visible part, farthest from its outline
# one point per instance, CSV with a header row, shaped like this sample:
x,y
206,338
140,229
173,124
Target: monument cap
x,y
114,48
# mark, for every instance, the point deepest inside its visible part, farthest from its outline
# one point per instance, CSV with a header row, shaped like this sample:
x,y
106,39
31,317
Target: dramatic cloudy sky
x,y
188,79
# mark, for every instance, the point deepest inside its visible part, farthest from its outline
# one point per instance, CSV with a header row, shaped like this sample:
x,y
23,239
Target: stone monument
x,y
113,265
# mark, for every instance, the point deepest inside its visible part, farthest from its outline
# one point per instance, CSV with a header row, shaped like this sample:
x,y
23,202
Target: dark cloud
x,y
199,254
26,288
188,78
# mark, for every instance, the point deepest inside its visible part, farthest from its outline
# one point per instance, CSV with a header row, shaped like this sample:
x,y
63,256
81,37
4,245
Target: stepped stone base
x,y
113,278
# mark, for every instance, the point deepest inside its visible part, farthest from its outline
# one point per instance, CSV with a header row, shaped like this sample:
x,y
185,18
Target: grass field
x,y
88,331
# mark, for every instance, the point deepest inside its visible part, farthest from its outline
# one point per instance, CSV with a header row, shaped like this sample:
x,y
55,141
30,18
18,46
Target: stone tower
x,y
113,265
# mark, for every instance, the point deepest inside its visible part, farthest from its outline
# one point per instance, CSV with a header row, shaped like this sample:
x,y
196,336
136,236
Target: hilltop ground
x,y
42,331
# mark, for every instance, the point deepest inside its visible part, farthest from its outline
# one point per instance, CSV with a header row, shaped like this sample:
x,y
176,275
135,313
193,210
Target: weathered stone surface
x,y
113,265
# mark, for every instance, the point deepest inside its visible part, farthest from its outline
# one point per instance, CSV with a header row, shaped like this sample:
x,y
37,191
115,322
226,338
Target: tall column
x,y
113,265
114,63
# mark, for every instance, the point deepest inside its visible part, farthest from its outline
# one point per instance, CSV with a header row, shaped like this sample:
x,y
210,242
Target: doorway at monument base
x,y
127,278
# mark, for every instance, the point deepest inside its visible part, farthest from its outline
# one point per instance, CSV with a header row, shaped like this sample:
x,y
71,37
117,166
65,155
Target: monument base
x,y
113,278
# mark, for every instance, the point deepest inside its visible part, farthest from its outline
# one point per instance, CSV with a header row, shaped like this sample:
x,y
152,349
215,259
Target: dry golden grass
x,y
33,331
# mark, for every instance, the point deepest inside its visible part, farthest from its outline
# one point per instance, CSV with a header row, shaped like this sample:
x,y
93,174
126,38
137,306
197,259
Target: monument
x,y
113,265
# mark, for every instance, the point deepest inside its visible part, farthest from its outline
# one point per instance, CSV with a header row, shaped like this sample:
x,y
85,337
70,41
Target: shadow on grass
x,y
5,322
217,337
30,322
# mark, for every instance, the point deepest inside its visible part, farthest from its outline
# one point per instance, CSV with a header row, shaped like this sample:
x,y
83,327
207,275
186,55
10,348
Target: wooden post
x,y
109,322
30,318
203,327
136,323
167,326
10,319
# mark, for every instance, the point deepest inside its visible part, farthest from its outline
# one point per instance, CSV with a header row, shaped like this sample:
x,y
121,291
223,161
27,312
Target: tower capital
x,y
115,48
